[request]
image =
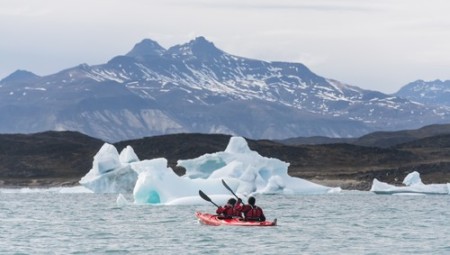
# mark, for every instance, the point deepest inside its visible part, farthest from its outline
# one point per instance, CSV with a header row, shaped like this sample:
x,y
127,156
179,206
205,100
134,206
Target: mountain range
x,y
197,88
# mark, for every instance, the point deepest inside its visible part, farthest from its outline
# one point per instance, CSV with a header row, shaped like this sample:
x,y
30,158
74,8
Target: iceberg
x,y
253,172
111,172
413,185
152,182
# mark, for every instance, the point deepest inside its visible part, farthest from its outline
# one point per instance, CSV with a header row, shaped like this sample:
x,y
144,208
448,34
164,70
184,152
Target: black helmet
x,y
232,201
251,200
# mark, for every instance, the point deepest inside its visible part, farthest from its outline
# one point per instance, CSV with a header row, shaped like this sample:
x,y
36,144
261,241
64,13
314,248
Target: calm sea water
x,y
346,223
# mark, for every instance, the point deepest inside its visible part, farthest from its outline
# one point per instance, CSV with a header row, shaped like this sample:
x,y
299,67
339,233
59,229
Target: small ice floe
x,y
413,185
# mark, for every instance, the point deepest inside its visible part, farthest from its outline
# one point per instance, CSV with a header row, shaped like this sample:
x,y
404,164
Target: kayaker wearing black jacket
x,y
230,210
252,212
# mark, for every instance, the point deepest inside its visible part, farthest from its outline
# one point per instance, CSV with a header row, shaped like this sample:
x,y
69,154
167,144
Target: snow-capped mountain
x,y
430,93
196,87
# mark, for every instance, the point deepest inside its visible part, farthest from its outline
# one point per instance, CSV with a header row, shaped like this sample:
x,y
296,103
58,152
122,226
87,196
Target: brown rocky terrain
x,y
62,158
45,159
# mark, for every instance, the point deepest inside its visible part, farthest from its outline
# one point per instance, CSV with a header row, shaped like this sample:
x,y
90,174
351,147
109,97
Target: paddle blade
x,y
204,196
228,188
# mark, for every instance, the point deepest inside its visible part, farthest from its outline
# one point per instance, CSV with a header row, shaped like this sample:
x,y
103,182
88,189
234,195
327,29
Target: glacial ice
x,y
413,185
153,182
111,172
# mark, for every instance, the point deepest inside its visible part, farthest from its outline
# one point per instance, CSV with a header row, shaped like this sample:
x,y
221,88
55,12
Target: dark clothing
x,y
253,213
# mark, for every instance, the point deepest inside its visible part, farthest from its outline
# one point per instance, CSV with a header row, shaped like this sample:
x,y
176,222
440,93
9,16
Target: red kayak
x,y
214,220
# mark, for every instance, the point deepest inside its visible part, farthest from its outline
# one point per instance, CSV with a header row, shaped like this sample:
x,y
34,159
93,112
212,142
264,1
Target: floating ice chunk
x,y
412,179
414,185
108,173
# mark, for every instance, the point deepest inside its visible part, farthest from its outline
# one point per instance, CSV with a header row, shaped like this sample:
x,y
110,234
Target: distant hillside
x,y
377,139
57,158
316,140
46,158
435,92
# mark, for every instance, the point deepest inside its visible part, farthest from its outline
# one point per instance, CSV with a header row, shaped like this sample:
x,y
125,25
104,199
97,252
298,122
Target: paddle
x,y
228,188
205,197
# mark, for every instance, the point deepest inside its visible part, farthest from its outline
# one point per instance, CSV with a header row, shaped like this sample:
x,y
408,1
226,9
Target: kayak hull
x,y
213,220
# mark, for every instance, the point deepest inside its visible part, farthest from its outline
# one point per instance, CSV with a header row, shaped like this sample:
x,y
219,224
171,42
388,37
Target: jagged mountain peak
x,y
199,47
201,41
19,76
146,47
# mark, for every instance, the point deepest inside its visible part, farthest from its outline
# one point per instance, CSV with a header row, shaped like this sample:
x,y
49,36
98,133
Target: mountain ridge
x,y
196,87
435,92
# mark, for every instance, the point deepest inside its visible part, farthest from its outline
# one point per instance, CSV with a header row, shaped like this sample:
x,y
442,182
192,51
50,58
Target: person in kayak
x,y
252,212
231,210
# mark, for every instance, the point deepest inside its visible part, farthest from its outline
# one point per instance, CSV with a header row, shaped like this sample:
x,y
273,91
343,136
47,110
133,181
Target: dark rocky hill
x,y
45,159
58,158
377,139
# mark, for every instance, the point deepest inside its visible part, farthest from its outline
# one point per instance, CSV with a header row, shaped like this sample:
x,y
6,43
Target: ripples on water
x,y
346,223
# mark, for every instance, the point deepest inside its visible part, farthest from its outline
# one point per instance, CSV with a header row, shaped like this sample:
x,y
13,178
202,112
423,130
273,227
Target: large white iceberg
x,y
255,173
153,182
413,185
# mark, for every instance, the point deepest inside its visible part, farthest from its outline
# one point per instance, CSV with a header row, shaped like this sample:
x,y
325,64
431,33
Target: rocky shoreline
x,y
38,183
44,183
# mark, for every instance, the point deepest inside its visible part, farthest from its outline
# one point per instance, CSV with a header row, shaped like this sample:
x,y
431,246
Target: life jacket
x,y
255,213
230,211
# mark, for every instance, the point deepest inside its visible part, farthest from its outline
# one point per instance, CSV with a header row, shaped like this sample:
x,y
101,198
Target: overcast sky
x,y
373,44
